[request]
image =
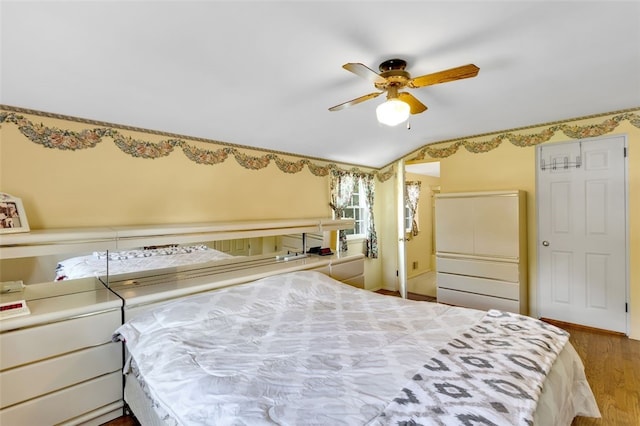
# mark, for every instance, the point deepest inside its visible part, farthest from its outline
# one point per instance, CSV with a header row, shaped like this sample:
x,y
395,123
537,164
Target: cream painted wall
x,y
104,186
387,235
512,167
505,168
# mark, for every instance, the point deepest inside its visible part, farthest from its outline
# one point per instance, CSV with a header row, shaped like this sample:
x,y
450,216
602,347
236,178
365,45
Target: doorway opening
x,y
420,242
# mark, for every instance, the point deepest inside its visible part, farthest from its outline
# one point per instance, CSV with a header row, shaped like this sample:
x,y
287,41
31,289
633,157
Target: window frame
x,y
363,221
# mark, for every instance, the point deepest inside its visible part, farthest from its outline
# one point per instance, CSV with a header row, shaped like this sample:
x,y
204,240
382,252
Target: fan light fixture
x,y
392,79
393,112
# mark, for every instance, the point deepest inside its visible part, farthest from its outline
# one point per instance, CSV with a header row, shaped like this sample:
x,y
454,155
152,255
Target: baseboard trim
x,y
563,324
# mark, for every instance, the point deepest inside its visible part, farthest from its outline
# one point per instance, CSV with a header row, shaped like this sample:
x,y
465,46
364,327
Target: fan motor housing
x,y
392,70
392,64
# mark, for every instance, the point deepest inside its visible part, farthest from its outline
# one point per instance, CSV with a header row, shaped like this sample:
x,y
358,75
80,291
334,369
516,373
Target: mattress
x,y
302,348
120,262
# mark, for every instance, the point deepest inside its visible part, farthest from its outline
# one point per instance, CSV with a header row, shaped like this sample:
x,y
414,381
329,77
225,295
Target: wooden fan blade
x,y
458,73
355,101
364,72
416,106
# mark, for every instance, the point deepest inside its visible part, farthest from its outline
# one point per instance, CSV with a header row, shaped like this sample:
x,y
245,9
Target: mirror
x,y
185,262
143,260
40,269
18,274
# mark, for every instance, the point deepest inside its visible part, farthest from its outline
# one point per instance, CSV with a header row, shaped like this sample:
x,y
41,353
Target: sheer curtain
x,y
412,195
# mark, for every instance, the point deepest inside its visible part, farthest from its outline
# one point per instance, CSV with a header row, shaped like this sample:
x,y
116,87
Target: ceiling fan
x,y
392,79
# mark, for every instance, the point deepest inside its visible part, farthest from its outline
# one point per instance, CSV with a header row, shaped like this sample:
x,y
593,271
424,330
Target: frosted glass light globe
x,y
393,112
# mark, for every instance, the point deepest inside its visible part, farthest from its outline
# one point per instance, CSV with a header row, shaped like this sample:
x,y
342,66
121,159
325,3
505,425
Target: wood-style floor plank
x,y
612,366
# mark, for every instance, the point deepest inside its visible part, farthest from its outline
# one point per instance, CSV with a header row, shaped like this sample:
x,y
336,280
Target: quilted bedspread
x,y
121,262
295,349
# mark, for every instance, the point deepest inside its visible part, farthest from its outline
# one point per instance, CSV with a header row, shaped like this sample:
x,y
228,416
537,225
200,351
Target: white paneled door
x,y
582,247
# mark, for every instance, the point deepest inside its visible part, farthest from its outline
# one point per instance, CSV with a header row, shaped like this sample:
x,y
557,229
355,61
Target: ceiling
x,y
431,168
263,74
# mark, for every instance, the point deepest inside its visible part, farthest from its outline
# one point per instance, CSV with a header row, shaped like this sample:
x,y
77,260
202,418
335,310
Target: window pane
x,y
356,211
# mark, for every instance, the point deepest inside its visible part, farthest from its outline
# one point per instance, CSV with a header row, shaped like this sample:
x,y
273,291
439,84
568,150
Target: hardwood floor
x,y
123,421
612,366
412,296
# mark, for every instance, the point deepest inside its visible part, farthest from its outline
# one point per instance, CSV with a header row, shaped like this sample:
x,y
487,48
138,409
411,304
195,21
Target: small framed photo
x,y
12,215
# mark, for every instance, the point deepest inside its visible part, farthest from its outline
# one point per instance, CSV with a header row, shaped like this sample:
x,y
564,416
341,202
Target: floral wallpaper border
x,y
528,140
52,137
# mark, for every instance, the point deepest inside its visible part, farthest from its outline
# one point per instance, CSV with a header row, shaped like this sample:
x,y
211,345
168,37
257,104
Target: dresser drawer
x,y
27,345
356,281
504,271
326,269
349,269
476,301
33,380
65,404
502,289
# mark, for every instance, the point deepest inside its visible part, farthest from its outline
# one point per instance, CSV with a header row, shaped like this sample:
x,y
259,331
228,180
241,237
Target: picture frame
x,y
12,215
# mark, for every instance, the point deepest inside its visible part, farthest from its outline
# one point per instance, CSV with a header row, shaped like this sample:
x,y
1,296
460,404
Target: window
x,y
412,195
357,210
408,225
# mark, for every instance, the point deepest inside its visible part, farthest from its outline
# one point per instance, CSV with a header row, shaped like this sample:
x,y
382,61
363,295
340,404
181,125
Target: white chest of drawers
x,y
58,364
482,250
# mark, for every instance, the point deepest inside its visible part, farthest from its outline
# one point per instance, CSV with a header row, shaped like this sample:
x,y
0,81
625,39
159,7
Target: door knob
x,y
545,243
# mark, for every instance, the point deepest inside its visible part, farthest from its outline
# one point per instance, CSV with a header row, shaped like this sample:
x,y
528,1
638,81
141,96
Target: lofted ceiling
x,y
264,73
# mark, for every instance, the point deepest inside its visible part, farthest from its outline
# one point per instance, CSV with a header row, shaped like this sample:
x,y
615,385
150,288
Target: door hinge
x,y
626,307
625,151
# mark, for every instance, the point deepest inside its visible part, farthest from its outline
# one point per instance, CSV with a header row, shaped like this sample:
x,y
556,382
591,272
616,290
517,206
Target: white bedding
x,y
302,348
121,262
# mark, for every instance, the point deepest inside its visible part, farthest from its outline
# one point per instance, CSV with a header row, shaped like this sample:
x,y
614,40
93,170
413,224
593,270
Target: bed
x,y
302,348
144,259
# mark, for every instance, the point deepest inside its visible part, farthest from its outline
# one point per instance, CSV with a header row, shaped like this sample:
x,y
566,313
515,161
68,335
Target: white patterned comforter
x,y
302,348
491,374
121,262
